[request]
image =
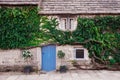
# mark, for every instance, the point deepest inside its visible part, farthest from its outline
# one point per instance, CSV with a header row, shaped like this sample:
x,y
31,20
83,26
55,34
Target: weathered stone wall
x,y
69,51
59,17
13,60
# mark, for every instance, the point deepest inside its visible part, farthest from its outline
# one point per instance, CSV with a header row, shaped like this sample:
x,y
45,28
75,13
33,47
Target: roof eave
x,y
82,13
18,3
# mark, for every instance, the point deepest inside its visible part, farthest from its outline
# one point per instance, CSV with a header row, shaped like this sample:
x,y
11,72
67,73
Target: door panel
x,y
49,58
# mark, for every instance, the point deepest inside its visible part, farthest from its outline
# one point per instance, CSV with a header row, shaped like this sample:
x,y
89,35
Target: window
x,y
71,23
63,23
68,23
79,53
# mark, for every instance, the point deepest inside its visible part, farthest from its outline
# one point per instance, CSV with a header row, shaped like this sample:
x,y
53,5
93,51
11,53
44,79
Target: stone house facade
x,y
66,12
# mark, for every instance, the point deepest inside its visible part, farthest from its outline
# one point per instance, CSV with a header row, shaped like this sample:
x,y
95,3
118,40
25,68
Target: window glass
x,y
67,23
79,53
63,23
71,23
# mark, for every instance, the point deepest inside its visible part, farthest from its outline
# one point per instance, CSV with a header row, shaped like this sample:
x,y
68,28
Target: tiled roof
x,y
80,6
18,2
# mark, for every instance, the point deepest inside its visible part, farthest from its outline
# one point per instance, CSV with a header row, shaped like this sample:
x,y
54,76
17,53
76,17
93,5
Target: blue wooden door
x,y
49,58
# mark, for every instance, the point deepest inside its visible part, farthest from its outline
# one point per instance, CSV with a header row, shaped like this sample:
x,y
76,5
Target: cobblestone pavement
x,y
70,75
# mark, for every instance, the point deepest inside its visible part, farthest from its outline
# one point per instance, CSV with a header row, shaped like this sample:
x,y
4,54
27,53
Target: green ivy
x,y
19,27
22,27
100,35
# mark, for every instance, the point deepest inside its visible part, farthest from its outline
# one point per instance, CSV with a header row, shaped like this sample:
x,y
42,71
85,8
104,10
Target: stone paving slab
x,y
70,75
14,77
3,77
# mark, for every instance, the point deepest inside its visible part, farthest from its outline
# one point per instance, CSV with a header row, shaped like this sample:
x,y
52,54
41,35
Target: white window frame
x,y
70,23
68,26
65,25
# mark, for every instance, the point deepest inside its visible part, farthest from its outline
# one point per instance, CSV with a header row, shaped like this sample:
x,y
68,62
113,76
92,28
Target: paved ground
x,y
70,75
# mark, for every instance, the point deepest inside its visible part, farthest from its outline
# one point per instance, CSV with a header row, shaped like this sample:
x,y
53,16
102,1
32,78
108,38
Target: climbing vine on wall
x,y
100,35
19,27
22,27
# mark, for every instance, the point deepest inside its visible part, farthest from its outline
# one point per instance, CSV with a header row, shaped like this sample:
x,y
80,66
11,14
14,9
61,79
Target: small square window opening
x,y
79,54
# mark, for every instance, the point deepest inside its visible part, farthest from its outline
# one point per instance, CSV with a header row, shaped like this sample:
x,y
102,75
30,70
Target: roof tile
x,y
79,6
18,2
